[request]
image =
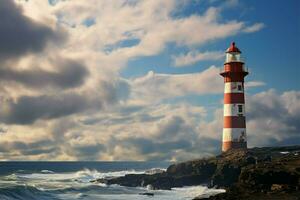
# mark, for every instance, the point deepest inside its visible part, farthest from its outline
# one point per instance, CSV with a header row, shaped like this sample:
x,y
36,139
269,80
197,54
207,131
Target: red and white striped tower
x,y
234,129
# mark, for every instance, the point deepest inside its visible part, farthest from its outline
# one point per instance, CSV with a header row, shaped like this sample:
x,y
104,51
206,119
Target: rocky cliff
x,y
257,173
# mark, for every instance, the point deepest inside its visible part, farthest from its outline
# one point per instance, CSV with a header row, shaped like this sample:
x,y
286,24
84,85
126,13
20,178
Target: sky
x,y
139,80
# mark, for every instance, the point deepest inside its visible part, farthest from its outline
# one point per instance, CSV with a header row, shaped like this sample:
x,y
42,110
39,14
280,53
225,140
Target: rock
x,y
204,167
251,160
258,173
154,171
277,187
147,194
226,175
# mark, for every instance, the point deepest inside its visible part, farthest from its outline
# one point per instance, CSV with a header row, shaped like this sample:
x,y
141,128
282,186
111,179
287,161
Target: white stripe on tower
x,y
234,87
234,109
231,134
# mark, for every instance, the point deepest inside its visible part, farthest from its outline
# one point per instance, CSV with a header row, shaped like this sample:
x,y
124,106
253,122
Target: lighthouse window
x,y
239,87
240,108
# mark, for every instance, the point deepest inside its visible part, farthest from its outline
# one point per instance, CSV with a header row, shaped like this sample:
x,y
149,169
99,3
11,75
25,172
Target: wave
x,y
24,192
95,192
45,171
197,191
46,185
85,175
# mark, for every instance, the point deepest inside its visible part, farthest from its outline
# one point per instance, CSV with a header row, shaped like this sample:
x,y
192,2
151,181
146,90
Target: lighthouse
x,y
234,128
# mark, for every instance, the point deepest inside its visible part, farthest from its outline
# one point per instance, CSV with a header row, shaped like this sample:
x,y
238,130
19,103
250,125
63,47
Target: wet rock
x,y
258,173
147,194
278,187
155,171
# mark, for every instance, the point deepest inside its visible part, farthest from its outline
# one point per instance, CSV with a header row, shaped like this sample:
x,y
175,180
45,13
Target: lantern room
x,y
233,54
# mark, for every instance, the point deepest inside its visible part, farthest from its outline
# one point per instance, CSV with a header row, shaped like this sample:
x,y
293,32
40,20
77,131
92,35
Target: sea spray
x,y
45,183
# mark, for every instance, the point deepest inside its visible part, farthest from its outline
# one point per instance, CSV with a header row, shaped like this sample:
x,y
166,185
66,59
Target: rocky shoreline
x,y
257,173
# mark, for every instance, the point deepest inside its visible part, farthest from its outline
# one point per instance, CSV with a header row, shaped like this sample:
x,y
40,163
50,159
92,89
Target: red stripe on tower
x,y
234,122
234,129
234,98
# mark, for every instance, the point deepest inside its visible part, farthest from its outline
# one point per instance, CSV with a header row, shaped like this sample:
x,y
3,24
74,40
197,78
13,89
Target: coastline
x,y
257,173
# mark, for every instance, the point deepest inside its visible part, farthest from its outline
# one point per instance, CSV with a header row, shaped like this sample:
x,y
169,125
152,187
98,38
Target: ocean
x,y
72,180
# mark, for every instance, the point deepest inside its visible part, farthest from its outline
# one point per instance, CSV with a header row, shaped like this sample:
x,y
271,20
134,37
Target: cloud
x,y
3,130
114,90
175,131
250,84
169,135
155,87
254,28
273,118
196,56
27,148
153,41
117,23
84,151
28,109
20,35
177,136
68,74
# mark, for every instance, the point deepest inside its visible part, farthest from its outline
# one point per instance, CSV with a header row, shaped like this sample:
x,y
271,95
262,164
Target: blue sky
x,y
139,80
272,54
269,52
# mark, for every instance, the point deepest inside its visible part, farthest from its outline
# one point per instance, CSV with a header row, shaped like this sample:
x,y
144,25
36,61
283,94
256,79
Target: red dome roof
x,y
233,48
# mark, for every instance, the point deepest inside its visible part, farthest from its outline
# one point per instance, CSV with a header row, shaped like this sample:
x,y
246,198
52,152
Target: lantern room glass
x,y
233,57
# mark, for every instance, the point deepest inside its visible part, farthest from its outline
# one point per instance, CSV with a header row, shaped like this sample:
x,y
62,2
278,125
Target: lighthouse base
x,y
233,145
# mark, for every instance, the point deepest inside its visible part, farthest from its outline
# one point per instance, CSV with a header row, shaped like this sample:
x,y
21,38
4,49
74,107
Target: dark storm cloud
x,y
262,107
294,140
86,152
27,109
172,128
69,74
3,130
275,107
172,134
115,90
274,118
206,145
125,115
44,150
120,119
127,110
30,148
19,34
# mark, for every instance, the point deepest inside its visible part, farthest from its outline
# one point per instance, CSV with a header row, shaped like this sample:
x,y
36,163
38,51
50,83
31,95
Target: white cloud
x,y
196,56
254,28
249,84
155,87
148,21
273,118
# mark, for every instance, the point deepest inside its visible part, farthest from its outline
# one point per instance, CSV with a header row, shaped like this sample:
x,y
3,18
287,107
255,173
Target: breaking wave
x,y
48,185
